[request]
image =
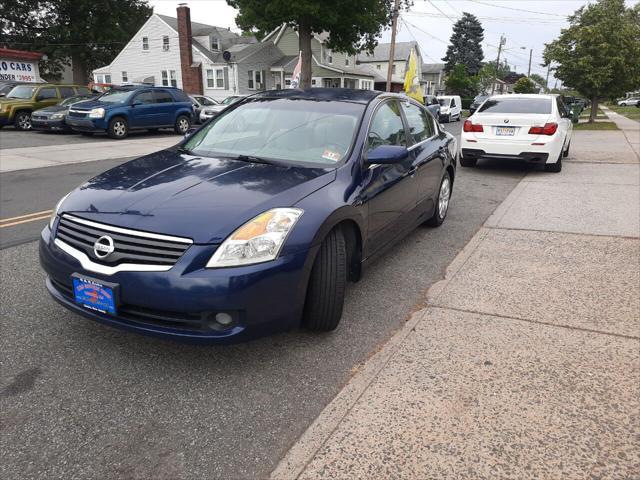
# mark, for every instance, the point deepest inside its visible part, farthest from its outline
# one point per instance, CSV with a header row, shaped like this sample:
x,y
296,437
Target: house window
x,y
215,44
215,78
210,80
328,55
366,85
165,43
313,82
220,78
172,78
287,81
393,69
350,83
165,78
107,78
145,43
254,81
346,61
378,66
125,78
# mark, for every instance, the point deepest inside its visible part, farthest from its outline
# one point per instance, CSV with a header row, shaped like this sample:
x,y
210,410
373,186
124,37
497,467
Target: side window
x,y
419,122
386,127
47,93
144,97
453,103
562,109
163,96
67,92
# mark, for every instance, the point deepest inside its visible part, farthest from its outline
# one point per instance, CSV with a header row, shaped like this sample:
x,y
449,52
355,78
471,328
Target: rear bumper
x,y
542,150
528,157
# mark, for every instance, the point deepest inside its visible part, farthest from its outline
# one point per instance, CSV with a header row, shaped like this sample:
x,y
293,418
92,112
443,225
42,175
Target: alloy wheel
x,y
443,198
183,125
119,128
24,121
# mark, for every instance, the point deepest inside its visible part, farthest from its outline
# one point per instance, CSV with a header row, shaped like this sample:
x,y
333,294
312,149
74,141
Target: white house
x,y
198,58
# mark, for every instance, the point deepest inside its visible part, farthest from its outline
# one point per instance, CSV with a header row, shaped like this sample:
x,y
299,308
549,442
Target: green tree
x,y
524,85
465,45
458,82
539,79
487,74
90,33
598,53
354,26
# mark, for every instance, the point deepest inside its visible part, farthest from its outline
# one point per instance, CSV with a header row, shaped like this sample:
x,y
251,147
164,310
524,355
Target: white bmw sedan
x,y
519,127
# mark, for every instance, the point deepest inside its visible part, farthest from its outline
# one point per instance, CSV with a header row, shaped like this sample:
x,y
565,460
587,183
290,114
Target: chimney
x,y
191,76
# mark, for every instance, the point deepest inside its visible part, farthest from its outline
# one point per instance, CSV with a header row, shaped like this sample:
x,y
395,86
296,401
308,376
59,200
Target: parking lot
x,y
79,397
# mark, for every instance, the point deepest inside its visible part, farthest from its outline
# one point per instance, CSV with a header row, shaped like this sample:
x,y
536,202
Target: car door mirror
x,y
387,154
136,103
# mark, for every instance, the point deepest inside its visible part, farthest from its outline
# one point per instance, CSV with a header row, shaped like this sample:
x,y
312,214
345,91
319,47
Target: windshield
x,y
206,101
230,100
115,96
285,130
75,99
480,98
444,102
22,91
517,105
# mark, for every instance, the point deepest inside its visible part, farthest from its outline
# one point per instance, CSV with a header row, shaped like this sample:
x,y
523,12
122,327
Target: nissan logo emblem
x,y
506,120
103,247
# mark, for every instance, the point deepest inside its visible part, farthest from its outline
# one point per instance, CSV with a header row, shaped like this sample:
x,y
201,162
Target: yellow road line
x,y
25,220
20,217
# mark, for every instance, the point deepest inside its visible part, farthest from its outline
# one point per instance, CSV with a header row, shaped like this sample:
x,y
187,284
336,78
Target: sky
x,y
526,25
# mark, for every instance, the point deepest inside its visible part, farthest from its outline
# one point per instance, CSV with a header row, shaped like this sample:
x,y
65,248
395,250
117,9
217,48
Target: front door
x,y
46,97
143,112
390,191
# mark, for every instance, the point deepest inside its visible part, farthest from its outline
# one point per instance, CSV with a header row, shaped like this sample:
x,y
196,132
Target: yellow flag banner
x,y
411,80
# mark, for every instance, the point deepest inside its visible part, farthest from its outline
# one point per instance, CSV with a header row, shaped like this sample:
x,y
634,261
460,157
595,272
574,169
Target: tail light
x,y
472,127
548,129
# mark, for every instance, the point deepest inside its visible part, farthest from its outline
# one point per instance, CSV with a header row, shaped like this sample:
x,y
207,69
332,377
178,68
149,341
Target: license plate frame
x,y
96,295
505,131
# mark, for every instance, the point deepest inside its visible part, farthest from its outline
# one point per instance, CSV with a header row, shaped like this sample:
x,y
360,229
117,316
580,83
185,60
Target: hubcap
x,y
25,122
443,199
183,125
119,129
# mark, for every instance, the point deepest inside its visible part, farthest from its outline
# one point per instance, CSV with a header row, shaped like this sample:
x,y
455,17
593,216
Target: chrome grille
x,y
130,246
78,113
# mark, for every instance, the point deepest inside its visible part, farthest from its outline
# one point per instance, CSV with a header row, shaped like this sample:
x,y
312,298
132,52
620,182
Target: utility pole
x,y
530,55
392,48
495,77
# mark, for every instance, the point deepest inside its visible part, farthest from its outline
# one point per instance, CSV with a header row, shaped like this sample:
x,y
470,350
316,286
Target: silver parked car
x,y
210,112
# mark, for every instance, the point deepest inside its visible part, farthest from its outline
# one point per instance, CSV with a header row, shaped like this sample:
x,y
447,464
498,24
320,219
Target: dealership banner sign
x,y
18,70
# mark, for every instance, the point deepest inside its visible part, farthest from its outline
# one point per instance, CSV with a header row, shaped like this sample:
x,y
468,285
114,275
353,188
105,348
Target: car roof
x,y
526,95
324,94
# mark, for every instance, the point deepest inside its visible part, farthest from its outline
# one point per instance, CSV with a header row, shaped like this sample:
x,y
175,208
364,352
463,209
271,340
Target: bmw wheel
x,y
118,128
327,283
442,205
22,121
182,124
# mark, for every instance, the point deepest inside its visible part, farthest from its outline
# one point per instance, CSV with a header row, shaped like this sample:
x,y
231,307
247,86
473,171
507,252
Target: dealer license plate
x,y
94,295
505,131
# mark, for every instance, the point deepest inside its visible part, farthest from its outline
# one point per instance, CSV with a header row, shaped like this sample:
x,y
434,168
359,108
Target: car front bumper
x,y
182,302
48,125
86,124
5,119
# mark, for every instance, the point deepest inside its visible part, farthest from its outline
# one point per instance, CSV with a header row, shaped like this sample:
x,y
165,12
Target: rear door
x,y
426,150
143,110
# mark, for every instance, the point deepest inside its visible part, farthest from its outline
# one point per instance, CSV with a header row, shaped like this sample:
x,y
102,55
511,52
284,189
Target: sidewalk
x,y
630,128
51,155
526,362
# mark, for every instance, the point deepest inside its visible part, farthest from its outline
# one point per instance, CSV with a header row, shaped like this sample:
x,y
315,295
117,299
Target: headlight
x,y
258,240
96,113
54,214
57,116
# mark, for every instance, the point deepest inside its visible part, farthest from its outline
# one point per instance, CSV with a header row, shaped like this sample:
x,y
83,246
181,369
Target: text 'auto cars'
x,y
530,128
255,222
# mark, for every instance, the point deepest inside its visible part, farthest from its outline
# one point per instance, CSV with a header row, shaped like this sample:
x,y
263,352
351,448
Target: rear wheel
x,y
182,124
468,162
327,283
118,128
566,152
22,121
442,206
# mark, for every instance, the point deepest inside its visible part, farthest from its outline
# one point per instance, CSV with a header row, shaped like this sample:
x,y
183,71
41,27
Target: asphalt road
x,y
12,138
80,400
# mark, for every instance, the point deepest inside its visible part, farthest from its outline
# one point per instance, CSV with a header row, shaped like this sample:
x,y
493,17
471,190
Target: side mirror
x,y
136,103
387,154
189,132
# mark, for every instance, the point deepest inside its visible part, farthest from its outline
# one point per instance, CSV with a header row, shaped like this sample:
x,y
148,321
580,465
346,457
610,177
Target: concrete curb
x,y
310,442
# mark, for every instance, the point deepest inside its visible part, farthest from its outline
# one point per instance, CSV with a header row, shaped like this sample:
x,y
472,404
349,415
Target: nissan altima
x,y
254,223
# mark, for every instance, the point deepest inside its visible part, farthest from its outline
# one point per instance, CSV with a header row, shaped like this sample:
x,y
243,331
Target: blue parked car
x,y
255,222
121,110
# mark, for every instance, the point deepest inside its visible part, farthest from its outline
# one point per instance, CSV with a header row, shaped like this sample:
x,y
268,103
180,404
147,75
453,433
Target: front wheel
x,y
118,128
22,121
327,284
442,206
182,124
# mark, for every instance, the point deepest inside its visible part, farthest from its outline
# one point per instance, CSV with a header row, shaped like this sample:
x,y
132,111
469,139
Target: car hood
x,y
201,198
89,104
53,109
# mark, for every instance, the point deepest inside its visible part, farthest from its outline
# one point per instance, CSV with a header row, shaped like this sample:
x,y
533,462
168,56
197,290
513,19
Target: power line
x,y
438,8
416,40
518,9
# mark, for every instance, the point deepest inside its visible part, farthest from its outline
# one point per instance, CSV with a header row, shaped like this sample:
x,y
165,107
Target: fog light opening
x,y
221,321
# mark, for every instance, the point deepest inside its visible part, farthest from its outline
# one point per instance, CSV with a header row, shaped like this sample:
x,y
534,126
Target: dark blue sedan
x,y
254,223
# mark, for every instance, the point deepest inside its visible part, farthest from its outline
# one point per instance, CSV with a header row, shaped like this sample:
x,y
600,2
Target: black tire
x,y
327,283
565,154
183,124
118,128
554,167
439,215
468,162
22,121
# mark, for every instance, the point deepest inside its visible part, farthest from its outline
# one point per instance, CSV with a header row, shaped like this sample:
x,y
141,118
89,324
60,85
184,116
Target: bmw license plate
x,y
95,295
505,131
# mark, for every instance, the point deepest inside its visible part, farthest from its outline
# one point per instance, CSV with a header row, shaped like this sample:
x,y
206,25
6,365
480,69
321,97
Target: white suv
x,y
530,128
630,102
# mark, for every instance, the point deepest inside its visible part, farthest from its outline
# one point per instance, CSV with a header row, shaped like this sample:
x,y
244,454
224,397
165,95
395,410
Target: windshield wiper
x,y
184,150
253,159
